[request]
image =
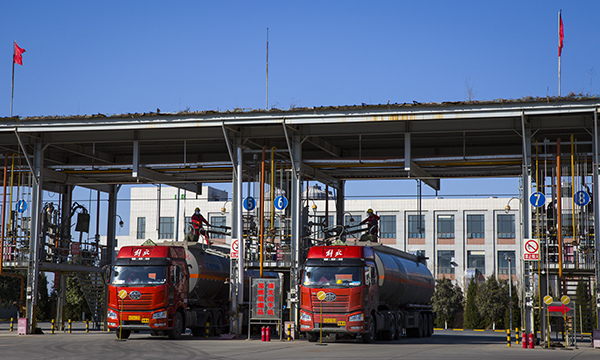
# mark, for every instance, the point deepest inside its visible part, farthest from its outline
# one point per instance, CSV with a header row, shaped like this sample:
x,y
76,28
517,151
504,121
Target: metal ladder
x,y
92,286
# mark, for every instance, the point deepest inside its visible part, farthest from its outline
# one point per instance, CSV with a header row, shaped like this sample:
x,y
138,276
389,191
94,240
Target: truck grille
x,y
145,301
340,305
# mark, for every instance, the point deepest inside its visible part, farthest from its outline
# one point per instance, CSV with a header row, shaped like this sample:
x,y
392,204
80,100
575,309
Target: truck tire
x,y
399,324
369,335
123,334
218,323
312,337
422,326
429,325
390,334
175,332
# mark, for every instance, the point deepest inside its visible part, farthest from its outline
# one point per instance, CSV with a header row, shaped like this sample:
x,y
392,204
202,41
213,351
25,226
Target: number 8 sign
x,y
281,202
581,198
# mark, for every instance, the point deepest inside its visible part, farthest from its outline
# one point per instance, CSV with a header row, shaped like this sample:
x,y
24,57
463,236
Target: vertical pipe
x,y
262,211
272,197
573,188
3,214
97,222
559,213
12,171
326,208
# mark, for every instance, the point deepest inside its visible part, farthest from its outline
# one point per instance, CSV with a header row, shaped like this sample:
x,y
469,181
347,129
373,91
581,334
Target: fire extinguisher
x,y
263,333
268,333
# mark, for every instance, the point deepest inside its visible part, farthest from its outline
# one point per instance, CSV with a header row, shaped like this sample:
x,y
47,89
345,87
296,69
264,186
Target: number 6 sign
x,y
281,202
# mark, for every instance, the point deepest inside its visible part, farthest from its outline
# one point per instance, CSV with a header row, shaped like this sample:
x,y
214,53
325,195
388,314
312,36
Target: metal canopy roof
x,y
447,140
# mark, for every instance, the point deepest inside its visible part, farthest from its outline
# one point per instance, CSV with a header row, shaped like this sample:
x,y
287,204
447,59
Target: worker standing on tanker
x,y
197,220
373,221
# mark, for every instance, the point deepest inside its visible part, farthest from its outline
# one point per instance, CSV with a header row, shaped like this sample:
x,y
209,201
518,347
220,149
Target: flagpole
x,y
267,94
12,87
559,49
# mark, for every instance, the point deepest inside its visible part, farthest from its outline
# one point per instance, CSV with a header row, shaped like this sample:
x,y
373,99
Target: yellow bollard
x,y
52,327
508,337
69,326
517,336
207,329
87,326
12,321
289,332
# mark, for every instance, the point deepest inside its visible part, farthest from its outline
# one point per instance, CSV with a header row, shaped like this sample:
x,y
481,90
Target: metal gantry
x,y
330,145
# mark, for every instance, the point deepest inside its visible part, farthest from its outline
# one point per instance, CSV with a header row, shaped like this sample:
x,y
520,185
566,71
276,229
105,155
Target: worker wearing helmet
x,y
197,221
373,221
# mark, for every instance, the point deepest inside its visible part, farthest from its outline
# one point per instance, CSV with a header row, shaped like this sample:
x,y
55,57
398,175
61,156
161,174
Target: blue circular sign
x,y
537,199
249,203
581,198
281,202
21,206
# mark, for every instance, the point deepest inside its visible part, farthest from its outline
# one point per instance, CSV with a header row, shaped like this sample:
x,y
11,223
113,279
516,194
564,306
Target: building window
x,y
348,220
141,228
506,226
503,262
218,221
445,258
445,226
476,260
165,227
388,226
475,226
416,228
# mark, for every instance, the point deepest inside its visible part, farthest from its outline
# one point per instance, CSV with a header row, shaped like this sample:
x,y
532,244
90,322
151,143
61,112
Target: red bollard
x,y
524,340
263,333
531,344
268,331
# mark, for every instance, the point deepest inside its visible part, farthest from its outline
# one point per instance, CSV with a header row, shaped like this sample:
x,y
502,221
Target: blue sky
x,y
115,57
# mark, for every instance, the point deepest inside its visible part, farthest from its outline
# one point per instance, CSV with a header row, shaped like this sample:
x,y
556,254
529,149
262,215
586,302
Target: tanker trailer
x,y
165,289
369,290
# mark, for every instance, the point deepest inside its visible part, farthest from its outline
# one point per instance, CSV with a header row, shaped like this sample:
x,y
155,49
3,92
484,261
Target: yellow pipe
x,y
262,212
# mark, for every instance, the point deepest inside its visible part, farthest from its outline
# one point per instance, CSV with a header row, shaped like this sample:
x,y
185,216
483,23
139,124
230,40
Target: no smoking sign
x,y
531,250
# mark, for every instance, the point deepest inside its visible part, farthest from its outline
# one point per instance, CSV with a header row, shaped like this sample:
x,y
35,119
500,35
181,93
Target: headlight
x,y
305,317
111,314
160,315
358,317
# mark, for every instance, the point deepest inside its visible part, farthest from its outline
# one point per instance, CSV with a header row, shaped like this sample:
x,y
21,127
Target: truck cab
x,y
147,290
338,291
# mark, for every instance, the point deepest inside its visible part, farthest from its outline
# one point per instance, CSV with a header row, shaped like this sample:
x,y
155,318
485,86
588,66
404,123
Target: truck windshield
x,y
331,276
138,275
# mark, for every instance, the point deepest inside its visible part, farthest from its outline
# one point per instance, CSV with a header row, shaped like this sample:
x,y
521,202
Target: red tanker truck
x,y
166,289
372,290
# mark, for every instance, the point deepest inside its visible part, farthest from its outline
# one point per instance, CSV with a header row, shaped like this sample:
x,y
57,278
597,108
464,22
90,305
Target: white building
x,y
459,236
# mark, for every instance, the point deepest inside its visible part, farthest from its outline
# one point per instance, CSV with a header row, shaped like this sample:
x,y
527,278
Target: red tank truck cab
x,y
367,290
148,290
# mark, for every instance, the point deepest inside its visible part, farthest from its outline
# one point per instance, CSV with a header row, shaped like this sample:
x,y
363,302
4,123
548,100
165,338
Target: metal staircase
x,y
92,286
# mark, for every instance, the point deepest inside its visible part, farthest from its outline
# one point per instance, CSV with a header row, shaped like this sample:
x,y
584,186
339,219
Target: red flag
x,y
561,34
18,56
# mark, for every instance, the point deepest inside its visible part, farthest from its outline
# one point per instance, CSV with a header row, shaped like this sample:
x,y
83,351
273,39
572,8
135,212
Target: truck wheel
x,y
391,333
429,318
369,335
422,326
398,327
175,332
218,323
312,337
123,334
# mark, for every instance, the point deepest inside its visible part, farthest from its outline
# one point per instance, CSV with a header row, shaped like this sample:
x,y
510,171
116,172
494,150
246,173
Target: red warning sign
x,y
530,251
